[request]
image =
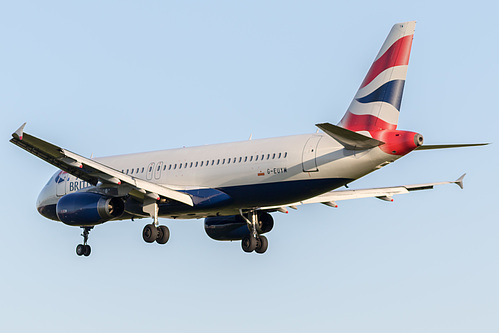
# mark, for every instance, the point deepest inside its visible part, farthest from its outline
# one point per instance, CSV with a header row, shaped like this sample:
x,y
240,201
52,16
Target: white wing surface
x,y
383,193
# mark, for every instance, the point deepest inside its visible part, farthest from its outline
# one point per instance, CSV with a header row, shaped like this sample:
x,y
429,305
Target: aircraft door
x,y
61,180
157,173
150,171
309,154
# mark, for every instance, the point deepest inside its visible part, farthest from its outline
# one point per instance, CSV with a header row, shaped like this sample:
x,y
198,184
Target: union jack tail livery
x,y
376,105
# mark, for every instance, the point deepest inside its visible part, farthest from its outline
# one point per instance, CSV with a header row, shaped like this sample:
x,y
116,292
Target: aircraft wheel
x,y
262,246
87,250
163,234
248,244
150,233
80,249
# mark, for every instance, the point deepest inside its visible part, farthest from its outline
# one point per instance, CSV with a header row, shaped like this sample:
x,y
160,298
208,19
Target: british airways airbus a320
x,y
235,186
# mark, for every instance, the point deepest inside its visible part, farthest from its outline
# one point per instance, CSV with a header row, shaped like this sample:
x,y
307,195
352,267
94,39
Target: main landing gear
x,y
254,241
154,232
84,249
159,233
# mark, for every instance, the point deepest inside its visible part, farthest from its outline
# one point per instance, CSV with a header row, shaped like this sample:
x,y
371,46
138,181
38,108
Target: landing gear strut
x,y
154,232
84,249
254,241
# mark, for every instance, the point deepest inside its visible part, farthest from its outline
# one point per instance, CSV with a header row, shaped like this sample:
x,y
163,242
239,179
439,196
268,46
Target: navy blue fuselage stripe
x,y
258,195
391,92
251,195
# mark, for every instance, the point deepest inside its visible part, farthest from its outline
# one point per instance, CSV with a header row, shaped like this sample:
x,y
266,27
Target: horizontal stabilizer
x,y
458,145
349,139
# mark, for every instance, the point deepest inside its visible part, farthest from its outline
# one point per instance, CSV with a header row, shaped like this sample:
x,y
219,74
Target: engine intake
x,y
234,227
86,208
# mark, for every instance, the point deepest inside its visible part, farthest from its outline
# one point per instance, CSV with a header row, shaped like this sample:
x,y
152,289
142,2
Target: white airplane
x,y
235,186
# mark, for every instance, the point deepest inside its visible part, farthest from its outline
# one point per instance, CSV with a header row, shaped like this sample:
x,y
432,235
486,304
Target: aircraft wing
x,y
92,171
383,193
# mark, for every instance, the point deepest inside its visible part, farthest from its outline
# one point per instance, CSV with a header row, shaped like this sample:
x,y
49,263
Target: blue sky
x,y
111,77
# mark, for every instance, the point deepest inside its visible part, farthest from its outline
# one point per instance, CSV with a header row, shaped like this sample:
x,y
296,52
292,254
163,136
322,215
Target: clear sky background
x,y
112,77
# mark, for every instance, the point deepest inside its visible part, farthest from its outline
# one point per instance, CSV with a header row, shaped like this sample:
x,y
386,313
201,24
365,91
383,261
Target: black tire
x,y
150,233
263,245
80,249
87,250
163,234
248,244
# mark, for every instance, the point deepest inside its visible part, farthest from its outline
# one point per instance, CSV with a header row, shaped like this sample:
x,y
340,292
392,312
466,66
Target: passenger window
x,y
201,163
142,169
190,165
196,164
251,158
268,156
159,167
150,168
212,162
127,171
218,162
256,158
279,155
234,161
185,165
131,172
240,159
170,167
245,158
285,154
180,166
273,156
175,166
223,161
228,161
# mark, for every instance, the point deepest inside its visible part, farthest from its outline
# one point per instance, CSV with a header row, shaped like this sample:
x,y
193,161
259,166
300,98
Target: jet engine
x,y
86,208
235,227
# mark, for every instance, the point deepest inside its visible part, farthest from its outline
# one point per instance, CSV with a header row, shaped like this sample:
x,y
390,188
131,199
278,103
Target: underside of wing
x,y
92,171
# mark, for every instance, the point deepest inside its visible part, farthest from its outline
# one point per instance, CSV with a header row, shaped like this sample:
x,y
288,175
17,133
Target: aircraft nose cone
x,y
47,201
48,211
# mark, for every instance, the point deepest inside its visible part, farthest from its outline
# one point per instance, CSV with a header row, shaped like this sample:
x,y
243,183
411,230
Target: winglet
x,y
19,133
459,181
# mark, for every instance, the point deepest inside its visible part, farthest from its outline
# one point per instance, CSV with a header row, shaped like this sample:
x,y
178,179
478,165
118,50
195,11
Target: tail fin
x,y
376,105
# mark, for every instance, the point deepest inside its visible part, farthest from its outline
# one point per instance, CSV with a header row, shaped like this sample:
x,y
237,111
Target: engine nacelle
x,y
86,208
234,227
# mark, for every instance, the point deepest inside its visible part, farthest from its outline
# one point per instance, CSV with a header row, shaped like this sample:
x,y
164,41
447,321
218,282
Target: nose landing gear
x,y
84,249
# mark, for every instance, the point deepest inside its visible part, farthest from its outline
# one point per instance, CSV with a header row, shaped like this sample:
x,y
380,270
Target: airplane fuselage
x,y
229,176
